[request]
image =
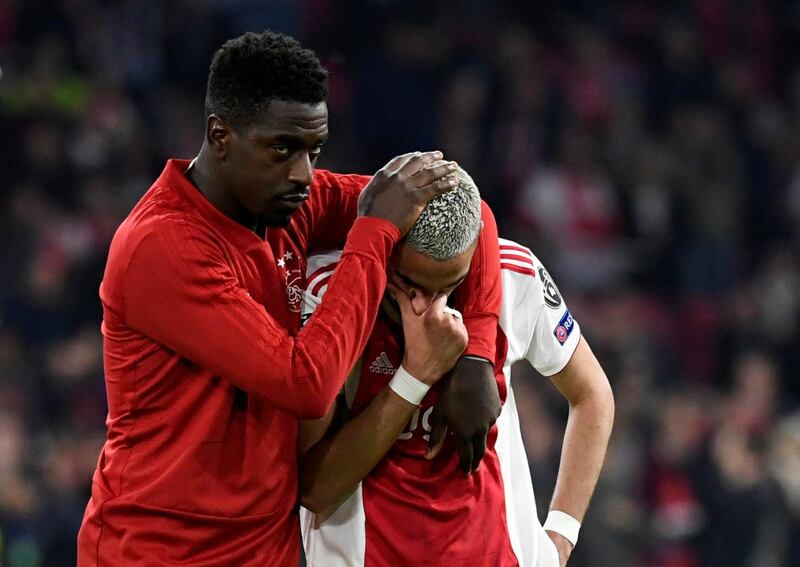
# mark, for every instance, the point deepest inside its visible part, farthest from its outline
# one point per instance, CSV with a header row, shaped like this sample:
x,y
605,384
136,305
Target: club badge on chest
x,y
289,267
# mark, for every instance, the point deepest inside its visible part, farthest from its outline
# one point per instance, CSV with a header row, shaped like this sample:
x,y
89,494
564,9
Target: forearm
x,y
479,297
331,469
583,450
303,374
322,350
197,307
328,223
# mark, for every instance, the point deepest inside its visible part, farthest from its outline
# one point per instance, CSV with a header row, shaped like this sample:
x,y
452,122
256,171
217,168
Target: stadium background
x,y
648,152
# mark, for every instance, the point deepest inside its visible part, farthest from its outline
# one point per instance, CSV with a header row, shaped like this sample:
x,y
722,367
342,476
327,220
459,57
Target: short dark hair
x,y
249,71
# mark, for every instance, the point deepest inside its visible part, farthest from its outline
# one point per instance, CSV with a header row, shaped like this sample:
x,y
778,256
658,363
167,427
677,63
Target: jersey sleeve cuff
x,y
482,329
372,237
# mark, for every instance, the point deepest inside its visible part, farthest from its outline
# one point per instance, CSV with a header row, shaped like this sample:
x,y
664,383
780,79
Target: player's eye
x,y
315,151
282,150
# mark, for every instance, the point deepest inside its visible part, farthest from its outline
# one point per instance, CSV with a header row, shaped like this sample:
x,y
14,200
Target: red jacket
x,y
207,372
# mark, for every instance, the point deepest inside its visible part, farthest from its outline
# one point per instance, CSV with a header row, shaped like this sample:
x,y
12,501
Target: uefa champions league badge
x,y
294,281
564,328
552,297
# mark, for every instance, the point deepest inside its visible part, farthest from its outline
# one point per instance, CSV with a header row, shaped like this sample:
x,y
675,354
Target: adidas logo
x,y
382,365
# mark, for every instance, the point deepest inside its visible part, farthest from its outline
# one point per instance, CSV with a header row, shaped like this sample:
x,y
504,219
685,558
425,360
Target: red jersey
x,y
207,372
410,499
411,511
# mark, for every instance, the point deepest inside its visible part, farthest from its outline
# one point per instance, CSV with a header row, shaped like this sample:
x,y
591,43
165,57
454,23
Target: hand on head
x,y
399,191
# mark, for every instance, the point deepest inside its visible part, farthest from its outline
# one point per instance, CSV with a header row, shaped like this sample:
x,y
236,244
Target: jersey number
x,y
412,424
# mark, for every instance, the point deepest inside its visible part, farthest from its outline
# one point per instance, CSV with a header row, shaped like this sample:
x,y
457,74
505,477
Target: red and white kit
x,y
411,511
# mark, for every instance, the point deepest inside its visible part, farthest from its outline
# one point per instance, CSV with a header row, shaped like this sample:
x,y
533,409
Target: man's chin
x,y
276,220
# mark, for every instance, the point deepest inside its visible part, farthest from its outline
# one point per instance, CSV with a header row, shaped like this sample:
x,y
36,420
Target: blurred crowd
x,y
649,154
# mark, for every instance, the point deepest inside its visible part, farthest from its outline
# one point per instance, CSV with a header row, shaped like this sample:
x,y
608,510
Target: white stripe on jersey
x,y
530,327
318,278
517,255
515,262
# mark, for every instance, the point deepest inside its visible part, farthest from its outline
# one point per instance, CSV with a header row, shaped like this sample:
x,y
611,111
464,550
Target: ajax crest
x,y
294,281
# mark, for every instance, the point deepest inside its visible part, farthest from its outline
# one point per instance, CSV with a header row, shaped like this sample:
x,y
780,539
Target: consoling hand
x,y
399,191
468,406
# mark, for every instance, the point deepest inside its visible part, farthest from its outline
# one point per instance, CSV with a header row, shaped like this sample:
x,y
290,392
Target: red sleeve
x,y
331,211
479,297
334,208
180,291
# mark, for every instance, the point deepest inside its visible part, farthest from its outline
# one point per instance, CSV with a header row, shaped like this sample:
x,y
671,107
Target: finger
x,y
478,449
438,433
397,162
434,172
465,455
436,188
418,162
433,451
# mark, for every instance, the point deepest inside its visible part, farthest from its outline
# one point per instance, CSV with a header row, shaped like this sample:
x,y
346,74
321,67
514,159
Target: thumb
x,y
438,433
436,309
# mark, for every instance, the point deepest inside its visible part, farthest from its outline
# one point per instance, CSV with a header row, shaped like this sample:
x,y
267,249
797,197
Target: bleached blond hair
x,y
450,223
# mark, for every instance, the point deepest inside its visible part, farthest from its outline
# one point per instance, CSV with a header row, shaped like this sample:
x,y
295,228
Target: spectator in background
x,y
676,514
20,502
746,516
784,462
708,199
575,214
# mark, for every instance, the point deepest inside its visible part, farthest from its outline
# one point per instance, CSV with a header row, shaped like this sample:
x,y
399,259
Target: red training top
x,y
207,371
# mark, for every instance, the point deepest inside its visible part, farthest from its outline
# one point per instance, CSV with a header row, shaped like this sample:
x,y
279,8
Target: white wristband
x,y
563,524
408,387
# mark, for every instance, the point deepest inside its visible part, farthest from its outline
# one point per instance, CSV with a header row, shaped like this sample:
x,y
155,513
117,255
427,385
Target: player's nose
x,y
301,171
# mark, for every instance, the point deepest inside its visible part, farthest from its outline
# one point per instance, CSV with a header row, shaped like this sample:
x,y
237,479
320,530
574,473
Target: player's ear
x,y
218,136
